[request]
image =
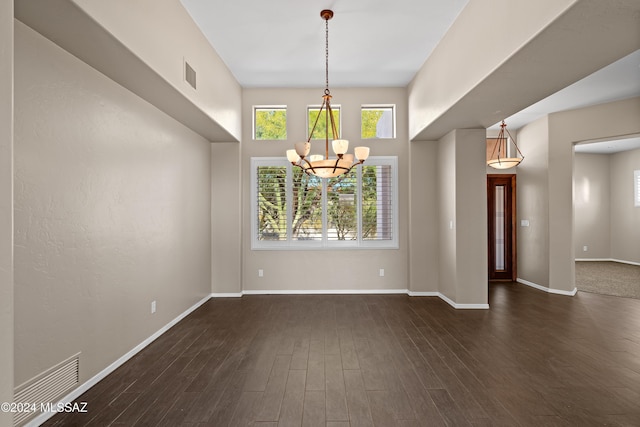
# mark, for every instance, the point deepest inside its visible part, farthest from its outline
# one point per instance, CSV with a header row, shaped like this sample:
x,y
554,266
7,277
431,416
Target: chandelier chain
x,y
326,54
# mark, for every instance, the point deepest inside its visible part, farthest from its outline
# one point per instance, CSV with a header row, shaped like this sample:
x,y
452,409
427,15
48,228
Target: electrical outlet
x,y
382,272
585,248
153,307
260,273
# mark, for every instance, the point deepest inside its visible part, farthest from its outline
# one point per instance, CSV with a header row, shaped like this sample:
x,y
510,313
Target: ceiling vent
x,y
189,74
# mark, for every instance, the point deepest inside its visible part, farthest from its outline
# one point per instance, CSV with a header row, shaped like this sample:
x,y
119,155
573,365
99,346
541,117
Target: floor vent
x,y
189,74
46,389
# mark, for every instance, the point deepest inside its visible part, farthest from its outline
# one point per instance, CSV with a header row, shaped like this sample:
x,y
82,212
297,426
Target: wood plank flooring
x,y
533,359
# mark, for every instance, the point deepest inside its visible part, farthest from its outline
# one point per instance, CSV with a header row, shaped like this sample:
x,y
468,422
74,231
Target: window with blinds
x,y
636,188
292,210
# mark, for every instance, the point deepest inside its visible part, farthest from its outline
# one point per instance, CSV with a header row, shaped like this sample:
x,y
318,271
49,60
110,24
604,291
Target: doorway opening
x,y
501,205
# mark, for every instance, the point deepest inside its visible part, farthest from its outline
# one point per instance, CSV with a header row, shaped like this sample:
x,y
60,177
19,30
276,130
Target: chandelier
x,y
317,164
501,147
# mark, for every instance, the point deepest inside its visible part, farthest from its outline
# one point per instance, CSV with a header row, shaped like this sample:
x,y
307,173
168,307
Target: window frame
x,y
324,243
380,107
255,108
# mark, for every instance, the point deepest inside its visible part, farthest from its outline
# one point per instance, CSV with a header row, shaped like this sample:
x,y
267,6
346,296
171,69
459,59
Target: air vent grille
x,y
47,388
189,74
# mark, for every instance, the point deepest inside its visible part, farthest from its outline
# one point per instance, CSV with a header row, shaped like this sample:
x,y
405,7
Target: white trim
x,y
423,294
549,290
621,261
323,291
40,419
625,262
462,306
365,292
227,295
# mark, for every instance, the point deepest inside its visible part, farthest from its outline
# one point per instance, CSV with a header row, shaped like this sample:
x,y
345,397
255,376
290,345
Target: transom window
x,y
378,121
292,210
270,122
321,130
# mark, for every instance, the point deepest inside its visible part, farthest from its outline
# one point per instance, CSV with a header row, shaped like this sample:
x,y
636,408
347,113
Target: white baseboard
x,y
548,290
462,306
40,419
365,292
227,295
324,291
609,260
423,294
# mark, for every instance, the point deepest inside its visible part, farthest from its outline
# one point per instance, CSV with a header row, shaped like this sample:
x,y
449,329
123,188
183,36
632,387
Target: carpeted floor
x,y
608,278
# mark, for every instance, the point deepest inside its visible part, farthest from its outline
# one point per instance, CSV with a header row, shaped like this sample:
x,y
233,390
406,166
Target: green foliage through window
x,y
321,130
357,207
270,123
377,122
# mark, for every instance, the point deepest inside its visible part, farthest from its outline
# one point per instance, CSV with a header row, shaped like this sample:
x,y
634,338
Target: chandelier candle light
x,y
316,164
501,147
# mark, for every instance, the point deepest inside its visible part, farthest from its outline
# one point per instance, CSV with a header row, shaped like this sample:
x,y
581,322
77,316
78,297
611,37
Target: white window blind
x,y
292,210
636,188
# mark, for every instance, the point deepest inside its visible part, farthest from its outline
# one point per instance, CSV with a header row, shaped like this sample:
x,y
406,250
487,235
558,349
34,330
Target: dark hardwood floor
x,y
533,359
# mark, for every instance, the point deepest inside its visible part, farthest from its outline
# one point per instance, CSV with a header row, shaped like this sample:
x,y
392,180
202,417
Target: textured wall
x,y
112,211
6,208
592,206
342,269
625,217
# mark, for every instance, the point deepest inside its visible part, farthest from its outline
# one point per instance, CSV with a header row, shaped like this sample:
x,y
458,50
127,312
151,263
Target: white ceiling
x,y
372,43
281,43
609,147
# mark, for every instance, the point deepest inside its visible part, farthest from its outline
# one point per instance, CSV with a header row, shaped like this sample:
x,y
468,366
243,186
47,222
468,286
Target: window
x,y
378,121
292,210
320,132
270,122
636,187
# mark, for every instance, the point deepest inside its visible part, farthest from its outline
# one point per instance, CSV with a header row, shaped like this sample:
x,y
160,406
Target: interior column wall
x,y
6,208
226,227
462,220
423,238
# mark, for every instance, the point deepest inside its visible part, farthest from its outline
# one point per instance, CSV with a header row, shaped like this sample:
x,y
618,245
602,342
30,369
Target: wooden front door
x,y
501,204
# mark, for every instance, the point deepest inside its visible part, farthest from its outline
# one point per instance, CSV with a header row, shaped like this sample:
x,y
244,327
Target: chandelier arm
x,y
328,115
313,129
514,143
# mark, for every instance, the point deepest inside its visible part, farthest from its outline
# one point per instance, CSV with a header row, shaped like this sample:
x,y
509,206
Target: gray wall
x,y
625,217
606,219
342,269
546,249
592,206
112,211
6,208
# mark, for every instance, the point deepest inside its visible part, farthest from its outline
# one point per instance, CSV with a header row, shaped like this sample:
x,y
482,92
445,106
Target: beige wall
x,y
533,204
446,77
424,214
605,218
112,211
341,269
462,223
545,191
226,225
625,217
6,208
144,50
592,206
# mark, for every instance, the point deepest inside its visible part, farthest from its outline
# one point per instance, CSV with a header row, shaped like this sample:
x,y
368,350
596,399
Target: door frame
x,y
511,243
